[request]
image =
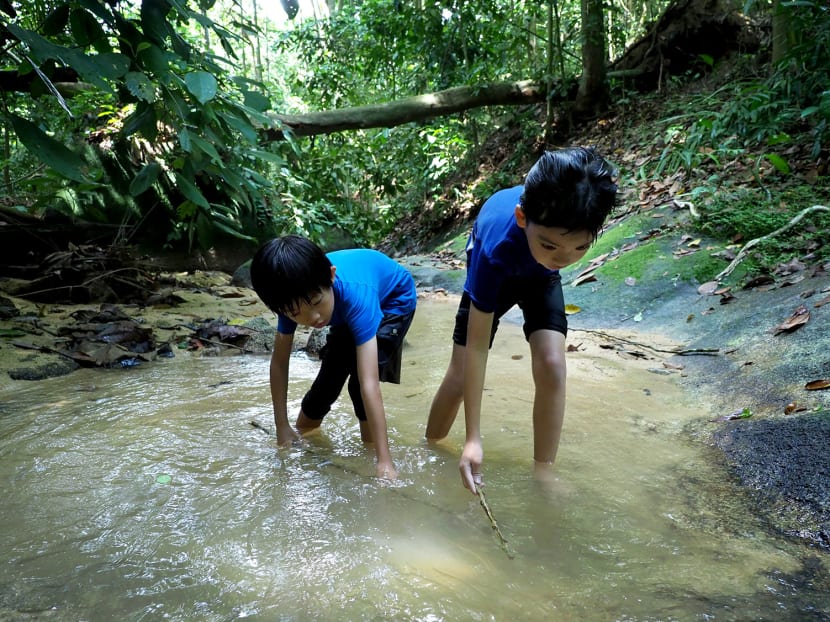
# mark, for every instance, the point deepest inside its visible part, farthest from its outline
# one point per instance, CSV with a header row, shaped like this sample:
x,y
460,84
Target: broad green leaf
x,y
142,120
184,140
92,68
85,28
241,125
191,192
56,20
97,8
206,147
146,177
140,86
202,85
779,163
268,156
257,101
155,60
48,150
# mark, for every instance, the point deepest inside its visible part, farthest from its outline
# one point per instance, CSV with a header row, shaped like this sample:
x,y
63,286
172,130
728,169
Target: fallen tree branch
x,y
743,252
677,351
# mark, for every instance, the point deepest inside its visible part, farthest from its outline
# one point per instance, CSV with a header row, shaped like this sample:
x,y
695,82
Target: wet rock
x,y
262,336
8,309
316,340
785,460
43,367
242,276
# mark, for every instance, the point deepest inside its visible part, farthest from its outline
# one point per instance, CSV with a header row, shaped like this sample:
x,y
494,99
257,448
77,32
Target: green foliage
x,y
195,125
747,114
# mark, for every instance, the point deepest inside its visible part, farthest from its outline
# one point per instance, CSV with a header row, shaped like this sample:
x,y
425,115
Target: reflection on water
x,y
146,494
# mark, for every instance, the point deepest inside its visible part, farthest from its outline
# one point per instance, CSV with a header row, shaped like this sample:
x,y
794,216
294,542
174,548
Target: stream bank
x,y
771,431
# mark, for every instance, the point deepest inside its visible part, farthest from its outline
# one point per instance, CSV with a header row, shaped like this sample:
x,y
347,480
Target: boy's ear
x,y
333,270
521,219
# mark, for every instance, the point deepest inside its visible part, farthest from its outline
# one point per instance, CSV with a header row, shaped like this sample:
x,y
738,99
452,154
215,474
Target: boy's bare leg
x,y
547,350
305,425
365,432
448,398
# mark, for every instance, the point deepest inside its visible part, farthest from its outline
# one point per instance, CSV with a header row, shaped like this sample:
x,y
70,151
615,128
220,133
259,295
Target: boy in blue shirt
x,y
522,237
367,300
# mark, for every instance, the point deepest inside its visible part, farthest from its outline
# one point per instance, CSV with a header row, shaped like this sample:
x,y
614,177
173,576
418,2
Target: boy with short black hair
x,y
367,300
522,237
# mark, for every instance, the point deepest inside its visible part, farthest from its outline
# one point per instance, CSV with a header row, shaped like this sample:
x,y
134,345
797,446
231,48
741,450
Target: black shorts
x,y
541,302
339,362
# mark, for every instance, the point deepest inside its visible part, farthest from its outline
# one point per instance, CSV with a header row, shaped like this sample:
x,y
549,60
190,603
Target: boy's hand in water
x,y
287,436
470,465
386,470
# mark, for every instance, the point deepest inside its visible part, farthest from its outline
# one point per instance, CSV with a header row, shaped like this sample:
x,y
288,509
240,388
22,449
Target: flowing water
x,y
146,494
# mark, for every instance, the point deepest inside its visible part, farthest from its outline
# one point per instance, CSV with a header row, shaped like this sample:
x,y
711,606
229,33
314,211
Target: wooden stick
x,y
743,252
502,540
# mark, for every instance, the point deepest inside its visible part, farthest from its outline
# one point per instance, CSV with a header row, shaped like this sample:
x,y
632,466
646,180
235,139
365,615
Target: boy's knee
x,y
549,367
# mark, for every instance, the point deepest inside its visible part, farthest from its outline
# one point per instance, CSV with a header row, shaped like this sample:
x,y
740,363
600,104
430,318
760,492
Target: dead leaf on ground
x,y
759,281
817,385
708,288
584,277
798,319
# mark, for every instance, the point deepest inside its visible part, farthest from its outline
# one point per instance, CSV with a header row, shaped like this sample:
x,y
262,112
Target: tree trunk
x,y
592,96
782,32
407,110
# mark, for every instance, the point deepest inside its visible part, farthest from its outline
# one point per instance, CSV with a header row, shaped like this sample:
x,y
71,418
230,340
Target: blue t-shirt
x,y
498,250
367,285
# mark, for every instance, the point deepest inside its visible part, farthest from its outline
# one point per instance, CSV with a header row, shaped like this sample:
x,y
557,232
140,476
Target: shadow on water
x,y
146,494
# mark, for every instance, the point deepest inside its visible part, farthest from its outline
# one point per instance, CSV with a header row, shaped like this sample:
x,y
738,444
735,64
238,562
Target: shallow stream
x,y
146,494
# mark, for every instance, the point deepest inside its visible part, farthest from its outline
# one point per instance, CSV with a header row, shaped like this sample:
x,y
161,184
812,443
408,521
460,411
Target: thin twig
x,y
743,252
502,540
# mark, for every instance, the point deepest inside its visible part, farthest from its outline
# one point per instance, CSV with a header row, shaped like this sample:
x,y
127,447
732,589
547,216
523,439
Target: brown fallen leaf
x,y
584,278
798,319
817,385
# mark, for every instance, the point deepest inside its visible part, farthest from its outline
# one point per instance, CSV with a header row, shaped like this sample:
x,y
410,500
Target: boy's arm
x,y
367,372
479,326
278,376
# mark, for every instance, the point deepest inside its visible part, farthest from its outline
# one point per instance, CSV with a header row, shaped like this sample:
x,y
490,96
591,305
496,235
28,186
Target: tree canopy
x,y
186,121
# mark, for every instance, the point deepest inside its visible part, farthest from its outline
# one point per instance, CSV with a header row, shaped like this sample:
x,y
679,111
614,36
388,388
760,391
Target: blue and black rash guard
x,y
367,285
498,250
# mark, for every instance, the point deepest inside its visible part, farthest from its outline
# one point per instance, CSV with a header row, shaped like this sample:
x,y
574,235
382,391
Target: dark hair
x,y
289,270
571,188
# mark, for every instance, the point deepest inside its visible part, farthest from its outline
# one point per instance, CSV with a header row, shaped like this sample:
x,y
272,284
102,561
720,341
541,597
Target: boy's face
x,y
554,247
318,312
